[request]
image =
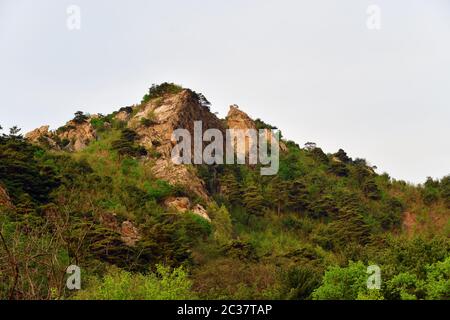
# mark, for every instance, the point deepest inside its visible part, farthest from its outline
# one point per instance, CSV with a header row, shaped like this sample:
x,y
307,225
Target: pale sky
x,y
312,68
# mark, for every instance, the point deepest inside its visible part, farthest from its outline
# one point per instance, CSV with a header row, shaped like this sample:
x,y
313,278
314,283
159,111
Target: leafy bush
x,y
160,90
342,283
164,284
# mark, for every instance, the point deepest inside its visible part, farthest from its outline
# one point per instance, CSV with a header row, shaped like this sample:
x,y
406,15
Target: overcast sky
x,y
312,68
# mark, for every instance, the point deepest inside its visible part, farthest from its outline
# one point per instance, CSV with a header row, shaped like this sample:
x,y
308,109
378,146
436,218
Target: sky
x,y
312,68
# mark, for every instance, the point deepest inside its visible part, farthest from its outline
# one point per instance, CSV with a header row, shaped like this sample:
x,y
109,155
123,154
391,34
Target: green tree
x,y
350,226
126,145
298,197
230,188
438,280
343,283
253,200
371,190
80,117
277,193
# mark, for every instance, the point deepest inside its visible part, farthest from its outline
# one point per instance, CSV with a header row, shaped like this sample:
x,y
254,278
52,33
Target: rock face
x,y
199,210
129,233
5,200
42,136
237,119
166,114
156,121
72,137
183,204
180,204
79,135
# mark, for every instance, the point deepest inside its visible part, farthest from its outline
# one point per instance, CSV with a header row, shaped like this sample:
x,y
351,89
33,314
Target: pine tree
x,y
350,226
253,200
371,190
445,190
277,193
297,196
231,188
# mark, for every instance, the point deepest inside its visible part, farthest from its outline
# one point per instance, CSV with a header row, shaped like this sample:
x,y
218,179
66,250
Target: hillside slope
x,y
101,192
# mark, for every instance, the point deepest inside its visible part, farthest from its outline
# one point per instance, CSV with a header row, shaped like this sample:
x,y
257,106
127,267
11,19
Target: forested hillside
x,y
100,193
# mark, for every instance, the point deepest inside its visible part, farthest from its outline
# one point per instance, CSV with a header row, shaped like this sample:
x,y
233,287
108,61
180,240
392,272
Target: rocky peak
x,y
238,119
156,120
78,135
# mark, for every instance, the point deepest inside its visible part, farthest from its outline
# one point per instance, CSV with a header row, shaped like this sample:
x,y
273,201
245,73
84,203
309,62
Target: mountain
x,y
102,192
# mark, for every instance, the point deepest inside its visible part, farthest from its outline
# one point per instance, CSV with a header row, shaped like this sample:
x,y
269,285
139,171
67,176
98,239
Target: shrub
x,y
164,284
299,282
126,146
160,90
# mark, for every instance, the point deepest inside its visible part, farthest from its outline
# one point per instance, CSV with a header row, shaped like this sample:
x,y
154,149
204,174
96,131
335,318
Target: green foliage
x,y
297,196
339,169
28,179
262,125
342,156
371,190
438,280
80,117
149,120
125,146
253,200
231,189
99,123
160,90
299,282
270,237
342,283
221,223
405,286
158,189
164,284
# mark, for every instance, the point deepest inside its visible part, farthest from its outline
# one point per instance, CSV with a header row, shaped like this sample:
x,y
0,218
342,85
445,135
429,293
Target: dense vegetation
x,y
307,233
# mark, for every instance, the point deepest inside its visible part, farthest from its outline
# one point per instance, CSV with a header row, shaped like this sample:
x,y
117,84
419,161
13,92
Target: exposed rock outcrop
x,y
166,114
42,136
78,135
161,117
183,204
199,210
183,175
238,119
71,137
129,233
180,204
